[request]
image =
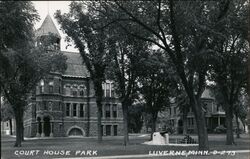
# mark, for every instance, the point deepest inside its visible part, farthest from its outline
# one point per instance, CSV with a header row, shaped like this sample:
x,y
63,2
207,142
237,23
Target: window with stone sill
x,y
107,111
51,86
67,109
108,130
114,110
41,86
74,109
81,110
115,130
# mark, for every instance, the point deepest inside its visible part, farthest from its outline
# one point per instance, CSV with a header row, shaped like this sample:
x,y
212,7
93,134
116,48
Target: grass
x,y
112,145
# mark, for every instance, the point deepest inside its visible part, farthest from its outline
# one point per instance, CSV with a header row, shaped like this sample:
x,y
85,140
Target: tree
x,y
229,71
21,64
81,25
184,31
28,65
126,54
16,23
135,121
156,80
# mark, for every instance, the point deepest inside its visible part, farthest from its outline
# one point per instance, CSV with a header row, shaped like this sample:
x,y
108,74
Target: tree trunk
x,y
229,124
99,94
184,121
18,117
88,109
0,100
201,125
238,126
99,117
22,130
125,123
153,125
10,122
99,123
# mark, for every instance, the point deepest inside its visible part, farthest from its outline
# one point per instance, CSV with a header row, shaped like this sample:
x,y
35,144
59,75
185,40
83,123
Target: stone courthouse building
x,y
64,104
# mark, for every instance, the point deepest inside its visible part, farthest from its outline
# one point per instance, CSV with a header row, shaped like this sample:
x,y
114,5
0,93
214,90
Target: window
x,y
59,86
74,109
107,89
101,113
60,106
175,110
114,109
115,130
45,105
51,86
190,110
81,110
107,110
170,112
42,86
112,90
103,89
67,90
108,130
50,106
81,91
74,91
67,109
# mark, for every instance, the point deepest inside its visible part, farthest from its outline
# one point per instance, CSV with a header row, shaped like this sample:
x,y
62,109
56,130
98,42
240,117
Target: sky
x,y
49,7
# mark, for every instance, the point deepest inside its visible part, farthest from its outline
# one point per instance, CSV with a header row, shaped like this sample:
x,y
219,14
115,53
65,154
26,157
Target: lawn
x,y
112,146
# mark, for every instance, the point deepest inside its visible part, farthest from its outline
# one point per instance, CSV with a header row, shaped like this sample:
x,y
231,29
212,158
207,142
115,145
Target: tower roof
x,y
47,27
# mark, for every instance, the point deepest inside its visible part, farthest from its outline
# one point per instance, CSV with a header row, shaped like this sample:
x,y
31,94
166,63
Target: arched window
x,y
42,86
51,86
67,89
82,90
50,105
74,91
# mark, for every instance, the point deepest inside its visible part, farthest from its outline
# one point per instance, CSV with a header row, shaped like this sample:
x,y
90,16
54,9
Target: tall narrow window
x,y
51,86
115,130
112,90
114,110
59,86
81,110
107,110
60,106
74,109
42,86
67,109
103,89
50,105
108,130
107,89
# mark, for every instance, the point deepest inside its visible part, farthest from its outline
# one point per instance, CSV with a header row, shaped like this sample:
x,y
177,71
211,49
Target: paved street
x,y
112,146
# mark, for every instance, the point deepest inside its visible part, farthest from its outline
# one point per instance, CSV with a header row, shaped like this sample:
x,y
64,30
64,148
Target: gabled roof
x,y
75,66
47,27
207,94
